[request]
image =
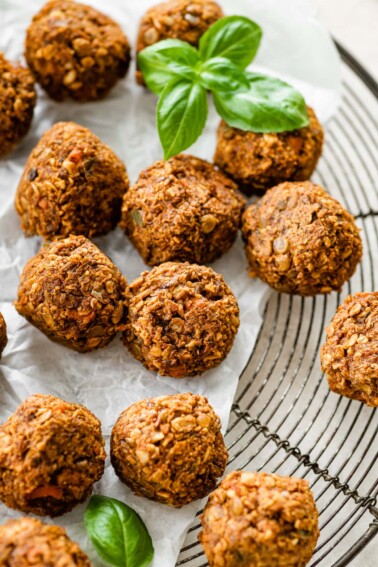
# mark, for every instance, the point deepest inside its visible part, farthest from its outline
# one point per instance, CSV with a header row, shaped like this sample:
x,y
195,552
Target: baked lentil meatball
x,y
350,354
169,449
3,334
260,520
76,51
182,209
74,294
72,184
300,240
176,19
259,161
183,319
17,101
28,542
51,454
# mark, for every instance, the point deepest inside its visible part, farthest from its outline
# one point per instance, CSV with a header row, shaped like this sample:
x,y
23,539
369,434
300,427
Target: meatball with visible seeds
x,y
183,319
74,294
51,454
72,184
186,20
169,449
259,161
17,101
300,240
260,520
349,356
76,51
182,209
3,334
28,542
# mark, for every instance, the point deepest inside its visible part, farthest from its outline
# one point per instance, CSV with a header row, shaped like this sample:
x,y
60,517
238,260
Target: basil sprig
x,y
118,533
181,76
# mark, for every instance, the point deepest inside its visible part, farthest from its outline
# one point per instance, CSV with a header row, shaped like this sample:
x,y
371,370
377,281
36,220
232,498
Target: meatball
x,y
51,454
260,520
183,319
259,161
169,449
76,51
3,334
72,184
182,209
300,240
17,101
74,294
28,542
176,19
349,356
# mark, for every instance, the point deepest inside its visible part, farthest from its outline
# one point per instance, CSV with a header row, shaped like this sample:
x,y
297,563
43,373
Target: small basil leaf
x,y
181,115
118,533
270,105
166,60
235,37
220,74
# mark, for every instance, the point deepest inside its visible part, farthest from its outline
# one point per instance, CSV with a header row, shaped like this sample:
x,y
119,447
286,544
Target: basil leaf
x,y
166,60
220,74
270,105
181,115
235,37
118,533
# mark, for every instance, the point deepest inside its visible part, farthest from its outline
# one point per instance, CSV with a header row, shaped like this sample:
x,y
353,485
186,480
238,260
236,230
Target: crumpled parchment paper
x,y
296,47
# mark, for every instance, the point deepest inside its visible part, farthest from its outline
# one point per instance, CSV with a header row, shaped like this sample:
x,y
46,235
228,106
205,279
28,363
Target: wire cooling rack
x,y
285,419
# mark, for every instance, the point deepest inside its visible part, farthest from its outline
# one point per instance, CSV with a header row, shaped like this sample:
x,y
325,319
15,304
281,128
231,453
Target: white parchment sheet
x,y
295,46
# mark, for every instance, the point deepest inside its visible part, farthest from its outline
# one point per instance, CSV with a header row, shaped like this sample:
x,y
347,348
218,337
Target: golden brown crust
x,y
183,319
259,161
27,542
3,334
300,240
76,51
349,356
51,454
176,19
260,520
169,449
17,101
72,184
182,209
74,294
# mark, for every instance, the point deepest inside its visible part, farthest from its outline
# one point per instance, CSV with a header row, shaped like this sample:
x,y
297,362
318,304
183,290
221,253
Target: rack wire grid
x,y
285,420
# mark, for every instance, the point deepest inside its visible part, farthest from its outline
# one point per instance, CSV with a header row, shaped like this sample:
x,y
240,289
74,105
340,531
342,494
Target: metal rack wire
x,y
284,418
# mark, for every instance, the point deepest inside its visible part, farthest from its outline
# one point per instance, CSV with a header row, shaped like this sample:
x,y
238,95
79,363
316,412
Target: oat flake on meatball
x,y
169,449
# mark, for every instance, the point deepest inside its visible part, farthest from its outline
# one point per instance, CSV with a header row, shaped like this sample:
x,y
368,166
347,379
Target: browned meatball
x,y
76,51
259,161
72,184
3,334
176,19
182,209
51,454
17,101
74,294
350,354
260,520
169,449
183,319
298,239
28,542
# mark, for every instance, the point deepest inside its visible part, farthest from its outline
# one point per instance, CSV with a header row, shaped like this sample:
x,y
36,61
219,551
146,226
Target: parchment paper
x,y
296,47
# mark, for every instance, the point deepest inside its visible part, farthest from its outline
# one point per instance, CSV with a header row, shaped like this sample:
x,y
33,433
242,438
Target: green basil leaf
x,y
166,60
220,74
270,105
235,37
118,533
181,115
